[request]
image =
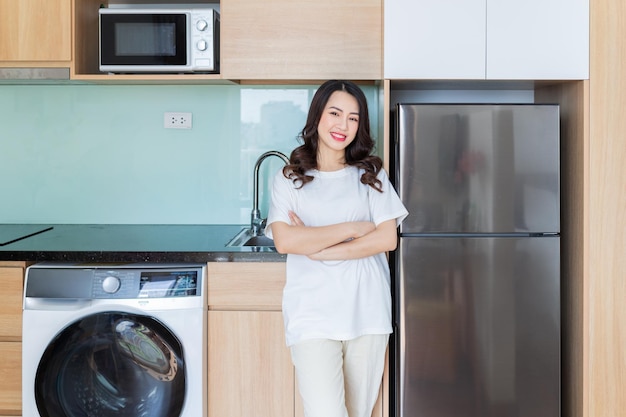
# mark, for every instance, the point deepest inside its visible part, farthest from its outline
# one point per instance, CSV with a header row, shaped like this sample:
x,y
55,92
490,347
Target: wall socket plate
x,y
177,120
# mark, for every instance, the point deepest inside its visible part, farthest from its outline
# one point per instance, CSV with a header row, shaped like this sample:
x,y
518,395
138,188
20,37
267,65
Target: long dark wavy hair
x,y
358,153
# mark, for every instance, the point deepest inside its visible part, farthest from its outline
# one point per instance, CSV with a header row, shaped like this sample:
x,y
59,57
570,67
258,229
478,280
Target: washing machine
x,y
114,340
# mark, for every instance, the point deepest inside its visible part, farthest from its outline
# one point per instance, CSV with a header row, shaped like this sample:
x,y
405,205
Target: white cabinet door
x,y
538,39
486,39
434,39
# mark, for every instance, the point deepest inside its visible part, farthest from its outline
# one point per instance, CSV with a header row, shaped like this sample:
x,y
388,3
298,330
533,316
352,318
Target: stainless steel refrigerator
x,y
477,269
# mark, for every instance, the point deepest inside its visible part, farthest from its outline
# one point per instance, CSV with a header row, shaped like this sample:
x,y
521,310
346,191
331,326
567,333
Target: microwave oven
x,y
159,40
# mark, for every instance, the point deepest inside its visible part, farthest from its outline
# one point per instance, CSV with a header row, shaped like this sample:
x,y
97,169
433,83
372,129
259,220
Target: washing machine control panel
x,y
145,283
115,284
58,282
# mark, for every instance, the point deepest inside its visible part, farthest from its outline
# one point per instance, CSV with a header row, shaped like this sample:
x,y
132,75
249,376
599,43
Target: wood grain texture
x,y
11,277
11,380
11,303
85,60
573,98
301,40
246,285
35,30
250,371
606,343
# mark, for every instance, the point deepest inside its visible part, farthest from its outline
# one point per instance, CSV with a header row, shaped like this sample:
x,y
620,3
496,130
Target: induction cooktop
x,y
10,233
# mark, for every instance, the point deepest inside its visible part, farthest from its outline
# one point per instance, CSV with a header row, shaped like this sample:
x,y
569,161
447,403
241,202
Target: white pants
x,y
340,378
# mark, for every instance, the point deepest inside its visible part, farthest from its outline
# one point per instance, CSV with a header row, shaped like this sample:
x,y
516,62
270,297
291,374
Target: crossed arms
x,y
341,241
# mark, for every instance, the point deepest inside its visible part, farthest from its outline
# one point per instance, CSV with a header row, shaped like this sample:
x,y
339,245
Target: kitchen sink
x,y
259,243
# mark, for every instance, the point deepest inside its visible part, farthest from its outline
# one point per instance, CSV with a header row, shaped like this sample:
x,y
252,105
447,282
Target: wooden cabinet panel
x,y
11,303
604,304
246,285
250,371
301,40
35,30
11,380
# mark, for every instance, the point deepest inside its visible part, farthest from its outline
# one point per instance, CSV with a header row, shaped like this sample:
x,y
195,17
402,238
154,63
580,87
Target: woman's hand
x,y
295,220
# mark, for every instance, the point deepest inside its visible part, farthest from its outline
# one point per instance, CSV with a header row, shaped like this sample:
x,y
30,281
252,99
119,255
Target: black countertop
x,y
126,243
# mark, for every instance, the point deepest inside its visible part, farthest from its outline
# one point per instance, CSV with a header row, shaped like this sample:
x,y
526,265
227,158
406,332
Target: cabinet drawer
x,y
11,303
245,285
11,381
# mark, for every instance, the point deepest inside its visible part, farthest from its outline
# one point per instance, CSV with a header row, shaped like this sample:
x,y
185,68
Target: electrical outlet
x,y
176,120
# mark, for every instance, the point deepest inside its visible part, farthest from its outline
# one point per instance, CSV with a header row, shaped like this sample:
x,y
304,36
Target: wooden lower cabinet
x,y
250,371
249,366
12,278
11,380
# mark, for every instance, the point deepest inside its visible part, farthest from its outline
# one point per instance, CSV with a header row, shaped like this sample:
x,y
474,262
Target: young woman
x,y
335,214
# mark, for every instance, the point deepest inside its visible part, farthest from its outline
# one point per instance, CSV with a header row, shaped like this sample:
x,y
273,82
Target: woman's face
x,y
339,123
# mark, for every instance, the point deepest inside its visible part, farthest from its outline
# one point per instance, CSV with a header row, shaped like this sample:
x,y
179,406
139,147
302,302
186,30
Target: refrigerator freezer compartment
x,y
478,168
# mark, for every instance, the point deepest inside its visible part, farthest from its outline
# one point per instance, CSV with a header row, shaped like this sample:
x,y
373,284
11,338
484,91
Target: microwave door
x,y
143,42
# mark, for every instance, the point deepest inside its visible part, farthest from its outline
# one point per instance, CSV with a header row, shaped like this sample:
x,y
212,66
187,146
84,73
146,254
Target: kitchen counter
x,y
127,243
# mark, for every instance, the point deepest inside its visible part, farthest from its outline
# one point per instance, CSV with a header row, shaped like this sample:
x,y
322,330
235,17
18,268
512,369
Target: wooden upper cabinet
x,y
301,40
35,31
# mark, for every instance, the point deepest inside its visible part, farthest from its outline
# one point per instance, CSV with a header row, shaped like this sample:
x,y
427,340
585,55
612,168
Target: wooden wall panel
x,y
606,382
573,98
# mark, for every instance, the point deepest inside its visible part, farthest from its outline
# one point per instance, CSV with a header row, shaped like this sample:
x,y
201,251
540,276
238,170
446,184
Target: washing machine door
x,y
112,364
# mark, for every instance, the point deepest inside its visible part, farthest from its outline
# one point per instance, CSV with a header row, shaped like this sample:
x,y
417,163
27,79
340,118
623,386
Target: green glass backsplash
x,y
99,154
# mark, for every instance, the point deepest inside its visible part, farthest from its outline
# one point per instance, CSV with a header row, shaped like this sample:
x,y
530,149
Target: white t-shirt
x,y
339,300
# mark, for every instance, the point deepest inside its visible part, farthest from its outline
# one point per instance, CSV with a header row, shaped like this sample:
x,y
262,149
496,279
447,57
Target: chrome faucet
x,y
257,223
